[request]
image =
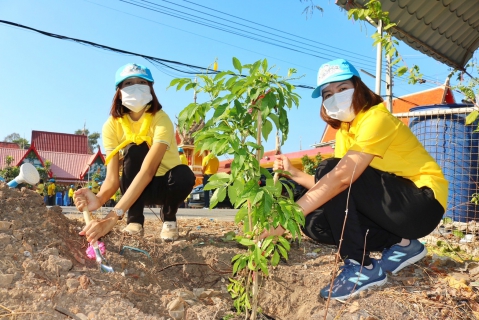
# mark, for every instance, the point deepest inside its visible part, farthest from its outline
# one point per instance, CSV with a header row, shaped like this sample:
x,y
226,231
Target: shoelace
x,y
348,268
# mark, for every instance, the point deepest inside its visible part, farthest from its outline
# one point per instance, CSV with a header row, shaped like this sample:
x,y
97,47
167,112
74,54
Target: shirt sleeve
x,y
163,130
110,139
375,133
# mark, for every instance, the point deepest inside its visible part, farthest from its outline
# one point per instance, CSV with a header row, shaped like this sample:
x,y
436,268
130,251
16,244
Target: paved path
x,y
218,214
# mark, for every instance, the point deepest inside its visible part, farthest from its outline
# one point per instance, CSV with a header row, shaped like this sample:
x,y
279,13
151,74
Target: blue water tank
x,y
454,146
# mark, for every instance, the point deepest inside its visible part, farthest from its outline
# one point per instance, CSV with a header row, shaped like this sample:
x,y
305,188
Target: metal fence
x,y
454,145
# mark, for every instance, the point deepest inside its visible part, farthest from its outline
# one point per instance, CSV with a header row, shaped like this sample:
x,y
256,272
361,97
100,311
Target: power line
x,y
352,54
191,18
158,62
234,30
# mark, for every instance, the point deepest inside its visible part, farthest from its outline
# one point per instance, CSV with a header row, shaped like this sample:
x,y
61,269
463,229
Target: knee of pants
x,y
136,152
325,166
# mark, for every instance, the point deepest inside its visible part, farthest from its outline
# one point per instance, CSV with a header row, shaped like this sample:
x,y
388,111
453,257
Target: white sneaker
x,y
133,229
169,232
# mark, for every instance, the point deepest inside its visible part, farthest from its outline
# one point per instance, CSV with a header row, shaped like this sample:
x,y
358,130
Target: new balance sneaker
x,y
397,257
133,229
353,279
169,231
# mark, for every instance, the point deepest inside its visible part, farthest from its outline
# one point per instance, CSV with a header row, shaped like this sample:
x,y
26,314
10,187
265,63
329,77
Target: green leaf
x,y
401,71
471,117
266,129
275,258
284,243
241,214
220,110
245,241
237,64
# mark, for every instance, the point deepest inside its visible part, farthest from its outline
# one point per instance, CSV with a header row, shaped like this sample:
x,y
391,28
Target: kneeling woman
x,y
398,192
141,134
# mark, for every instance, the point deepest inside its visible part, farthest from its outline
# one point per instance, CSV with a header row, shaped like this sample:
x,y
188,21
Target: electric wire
x,y
192,69
350,55
236,31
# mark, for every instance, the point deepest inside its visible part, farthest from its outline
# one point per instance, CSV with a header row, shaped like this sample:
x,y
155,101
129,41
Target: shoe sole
x,y
355,293
139,233
410,261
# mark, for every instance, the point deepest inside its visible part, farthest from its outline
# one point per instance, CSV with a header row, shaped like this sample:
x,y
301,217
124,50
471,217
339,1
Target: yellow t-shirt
x,y
70,193
211,165
395,147
183,159
161,131
51,189
40,188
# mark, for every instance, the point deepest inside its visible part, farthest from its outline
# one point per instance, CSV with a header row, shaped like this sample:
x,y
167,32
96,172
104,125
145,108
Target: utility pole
x,y
379,59
389,84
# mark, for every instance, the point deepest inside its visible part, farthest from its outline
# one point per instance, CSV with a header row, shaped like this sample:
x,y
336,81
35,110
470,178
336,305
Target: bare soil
x,y
45,274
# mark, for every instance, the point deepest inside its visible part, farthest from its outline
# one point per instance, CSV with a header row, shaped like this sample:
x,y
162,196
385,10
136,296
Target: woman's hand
x,y
85,199
97,229
282,163
278,231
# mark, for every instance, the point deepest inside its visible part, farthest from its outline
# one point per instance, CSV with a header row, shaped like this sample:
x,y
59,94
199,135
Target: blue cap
x,y
97,179
334,71
180,150
132,70
71,185
52,180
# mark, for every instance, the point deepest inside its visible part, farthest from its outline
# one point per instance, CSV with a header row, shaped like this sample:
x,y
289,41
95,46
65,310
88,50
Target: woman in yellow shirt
x,y
40,187
398,192
142,134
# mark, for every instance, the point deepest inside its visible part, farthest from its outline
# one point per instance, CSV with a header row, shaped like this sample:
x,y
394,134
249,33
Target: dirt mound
x,y
45,274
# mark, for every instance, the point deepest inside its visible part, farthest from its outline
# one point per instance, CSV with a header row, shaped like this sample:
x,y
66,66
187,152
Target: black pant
x,y
51,200
390,207
169,190
206,193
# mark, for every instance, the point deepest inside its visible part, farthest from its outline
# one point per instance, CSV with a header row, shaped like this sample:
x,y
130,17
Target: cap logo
x,y
327,71
133,69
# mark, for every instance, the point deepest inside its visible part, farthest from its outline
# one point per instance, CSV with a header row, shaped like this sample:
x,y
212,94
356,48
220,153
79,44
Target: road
x,y
218,214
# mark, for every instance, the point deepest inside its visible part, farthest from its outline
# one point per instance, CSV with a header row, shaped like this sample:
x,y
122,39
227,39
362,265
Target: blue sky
x,y
56,85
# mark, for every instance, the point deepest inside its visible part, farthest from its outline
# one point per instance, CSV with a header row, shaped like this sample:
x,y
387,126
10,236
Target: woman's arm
x,y
96,229
349,168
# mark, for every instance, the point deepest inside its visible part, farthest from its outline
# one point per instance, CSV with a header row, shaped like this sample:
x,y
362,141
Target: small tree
x,y
310,165
9,172
45,171
241,110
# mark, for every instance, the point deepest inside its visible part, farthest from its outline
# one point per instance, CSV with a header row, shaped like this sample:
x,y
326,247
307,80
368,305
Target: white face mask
x,y
136,97
338,106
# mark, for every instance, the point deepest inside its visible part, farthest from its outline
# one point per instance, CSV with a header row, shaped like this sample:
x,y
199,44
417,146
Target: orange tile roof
x,y
60,142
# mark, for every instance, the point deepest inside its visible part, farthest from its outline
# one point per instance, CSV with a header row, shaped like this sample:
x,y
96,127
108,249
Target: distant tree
x,y
16,138
92,138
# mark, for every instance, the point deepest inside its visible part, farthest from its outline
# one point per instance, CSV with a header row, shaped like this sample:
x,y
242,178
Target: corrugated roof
x,y
447,30
66,165
17,155
60,142
9,145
